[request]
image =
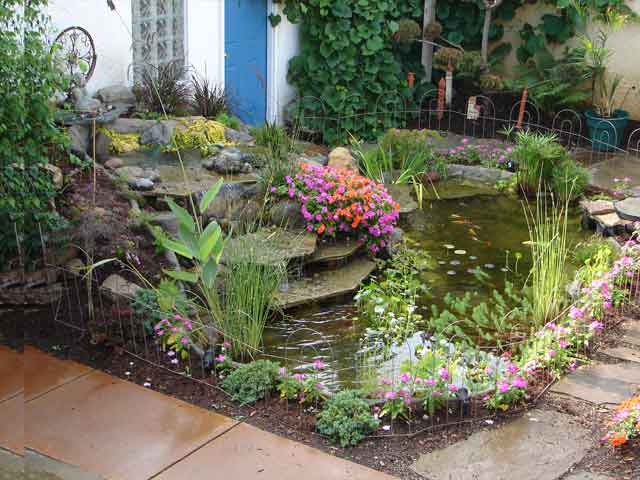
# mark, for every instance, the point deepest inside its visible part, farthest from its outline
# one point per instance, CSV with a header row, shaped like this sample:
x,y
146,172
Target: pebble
x,y
442,262
451,272
460,252
473,257
448,246
454,262
489,265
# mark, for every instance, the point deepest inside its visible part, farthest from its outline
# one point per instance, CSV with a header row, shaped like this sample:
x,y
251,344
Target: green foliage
x,y
569,180
502,319
408,31
228,120
342,43
274,138
121,142
346,419
28,136
252,381
152,305
202,135
447,56
537,155
209,100
594,258
162,89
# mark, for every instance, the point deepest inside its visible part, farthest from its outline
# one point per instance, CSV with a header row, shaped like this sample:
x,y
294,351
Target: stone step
x,y
542,445
601,383
631,333
629,209
271,245
326,285
334,251
623,353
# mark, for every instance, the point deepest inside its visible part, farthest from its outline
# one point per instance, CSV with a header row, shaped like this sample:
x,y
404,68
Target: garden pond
x,y
476,242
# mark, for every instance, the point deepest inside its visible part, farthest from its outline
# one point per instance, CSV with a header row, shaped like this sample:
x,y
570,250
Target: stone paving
x,y
618,166
65,419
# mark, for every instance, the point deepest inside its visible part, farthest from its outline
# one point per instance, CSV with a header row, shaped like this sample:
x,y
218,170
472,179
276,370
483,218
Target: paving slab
x,y
597,207
117,429
629,208
588,476
631,333
541,445
12,424
43,372
326,285
601,383
11,373
11,465
623,353
334,251
270,245
247,452
617,166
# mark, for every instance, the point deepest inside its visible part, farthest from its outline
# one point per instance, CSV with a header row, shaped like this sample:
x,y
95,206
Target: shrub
x,y
346,419
208,100
537,156
252,381
228,120
338,200
274,138
162,89
201,135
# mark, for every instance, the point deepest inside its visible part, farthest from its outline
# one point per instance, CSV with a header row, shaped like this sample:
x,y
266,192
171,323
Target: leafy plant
x,y
346,418
163,88
209,100
537,155
202,135
228,120
569,180
625,424
252,382
274,138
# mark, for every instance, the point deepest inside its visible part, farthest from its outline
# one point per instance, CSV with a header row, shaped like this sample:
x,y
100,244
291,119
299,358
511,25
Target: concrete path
x,y
62,417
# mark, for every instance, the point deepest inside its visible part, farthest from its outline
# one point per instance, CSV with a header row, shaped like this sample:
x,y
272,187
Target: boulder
x,y
131,125
478,174
395,241
158,134
118,287
114,163
340,157
116,94
237,136
231,202
130,172
629,209
597,207
286,214
103,147
229,161
142,184
80,136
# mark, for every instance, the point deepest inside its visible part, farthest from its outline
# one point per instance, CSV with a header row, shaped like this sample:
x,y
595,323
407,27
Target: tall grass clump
x,y
536,154
547,226
162,89
209,99
247,298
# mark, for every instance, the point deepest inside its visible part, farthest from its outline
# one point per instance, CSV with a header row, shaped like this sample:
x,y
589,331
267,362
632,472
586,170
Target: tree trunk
x,y
485,39
427,48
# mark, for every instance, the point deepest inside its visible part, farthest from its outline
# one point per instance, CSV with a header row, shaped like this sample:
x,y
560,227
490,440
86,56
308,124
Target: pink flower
x,y
171,353
503,387
430,381
174,361
391,395
319,365
596,325
519,382
452,388
563,343
551,353
220,358
283,371
576,313
385,381
405,378
226,344
444,373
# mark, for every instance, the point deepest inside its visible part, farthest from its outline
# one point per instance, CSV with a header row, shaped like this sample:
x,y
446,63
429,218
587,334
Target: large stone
x,y
119,287
116,94
131,125
82,102
158,134
610,224
541,445
478,174
631,333
229,161
142,184
238,136
79,135
334,250
103,147
403,194
629,209
340,157
623,353
286,213
597,207
601,383
588,476
327,285
232,197
114,163
130,172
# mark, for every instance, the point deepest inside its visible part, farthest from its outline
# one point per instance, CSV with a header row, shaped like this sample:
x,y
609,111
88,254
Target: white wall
x,y
110,32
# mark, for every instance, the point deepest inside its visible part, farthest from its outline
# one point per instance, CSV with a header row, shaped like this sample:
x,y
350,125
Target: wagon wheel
x,y
77,52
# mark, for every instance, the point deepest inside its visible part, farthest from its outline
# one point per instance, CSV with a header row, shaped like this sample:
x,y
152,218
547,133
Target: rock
x,y
431,177
601,383
133,173
610,224
476,173
229,161
79,135
82,102
597,207
103,147
142,184
395,241
403,194
114,163
158,134
116,94
75,266
231,202
340,157
629,209
237,136
541,445
167,221
130,172
131,125
56,175
118,287
286,214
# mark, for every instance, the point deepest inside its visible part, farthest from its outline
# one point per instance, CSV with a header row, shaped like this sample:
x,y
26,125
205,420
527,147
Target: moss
x,y
122,142
201,135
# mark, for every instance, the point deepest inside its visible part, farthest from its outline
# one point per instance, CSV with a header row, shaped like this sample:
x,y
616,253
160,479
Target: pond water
x,y
484,232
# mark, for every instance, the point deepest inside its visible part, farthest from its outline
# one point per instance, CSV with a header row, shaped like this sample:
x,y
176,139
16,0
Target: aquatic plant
x,y
346,418
547,227
335,200
252,381
569,180
274,138
625,424
537,155
247,298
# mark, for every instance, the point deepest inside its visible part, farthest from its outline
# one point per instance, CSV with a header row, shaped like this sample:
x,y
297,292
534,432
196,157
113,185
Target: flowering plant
x,y
622,187
306,388
174,334
338,200
484,154
625,424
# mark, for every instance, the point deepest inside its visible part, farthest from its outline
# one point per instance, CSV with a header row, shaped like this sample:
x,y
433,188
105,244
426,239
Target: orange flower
x,y
618,439
321,228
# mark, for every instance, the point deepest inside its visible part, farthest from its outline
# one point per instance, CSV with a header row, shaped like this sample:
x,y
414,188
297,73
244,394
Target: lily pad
x,y
451,272
460,252
448,246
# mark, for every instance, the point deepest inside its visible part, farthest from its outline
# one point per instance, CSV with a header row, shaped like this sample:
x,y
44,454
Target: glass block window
x,y
158,32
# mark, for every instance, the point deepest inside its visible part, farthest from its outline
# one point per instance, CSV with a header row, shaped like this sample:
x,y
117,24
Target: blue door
x,y
245,69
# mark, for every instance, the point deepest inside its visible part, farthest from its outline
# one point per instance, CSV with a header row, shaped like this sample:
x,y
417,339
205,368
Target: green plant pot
x,y
607,133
